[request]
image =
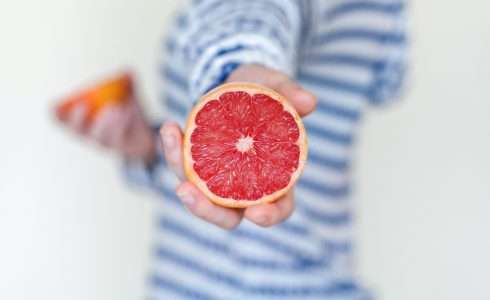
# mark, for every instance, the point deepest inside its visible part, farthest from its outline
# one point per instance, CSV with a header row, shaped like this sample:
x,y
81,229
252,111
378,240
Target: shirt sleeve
x,y
389,76
371,36
221,35
212,38
138,174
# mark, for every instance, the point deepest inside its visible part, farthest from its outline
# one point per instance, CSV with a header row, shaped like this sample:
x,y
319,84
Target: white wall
x,y
425,164
70,230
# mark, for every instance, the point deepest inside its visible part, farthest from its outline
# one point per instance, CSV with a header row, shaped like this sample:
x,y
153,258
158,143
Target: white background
x,y
69,229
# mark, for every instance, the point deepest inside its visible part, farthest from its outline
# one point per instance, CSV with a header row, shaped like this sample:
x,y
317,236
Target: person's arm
x,y
216,38
372,34
389,78
264,215
219,36
236,40
144,171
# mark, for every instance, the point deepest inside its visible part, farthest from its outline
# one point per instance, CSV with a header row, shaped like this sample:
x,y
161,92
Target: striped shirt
x,y
350,54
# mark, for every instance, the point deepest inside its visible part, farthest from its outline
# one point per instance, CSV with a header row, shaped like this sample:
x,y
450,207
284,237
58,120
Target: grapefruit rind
x,y
252,89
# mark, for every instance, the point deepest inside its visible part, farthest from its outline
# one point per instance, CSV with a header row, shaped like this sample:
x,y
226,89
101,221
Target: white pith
x,y
244,143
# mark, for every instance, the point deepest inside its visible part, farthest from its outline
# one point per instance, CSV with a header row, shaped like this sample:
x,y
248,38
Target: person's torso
x,y
309,256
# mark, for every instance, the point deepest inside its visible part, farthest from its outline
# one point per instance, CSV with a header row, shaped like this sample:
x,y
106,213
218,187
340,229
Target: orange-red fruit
x,y
116,90
244,145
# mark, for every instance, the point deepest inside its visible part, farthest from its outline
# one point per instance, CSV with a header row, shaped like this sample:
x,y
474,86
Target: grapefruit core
x,y
244,145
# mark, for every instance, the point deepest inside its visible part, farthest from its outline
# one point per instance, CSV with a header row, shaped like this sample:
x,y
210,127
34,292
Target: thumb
x,y
303,101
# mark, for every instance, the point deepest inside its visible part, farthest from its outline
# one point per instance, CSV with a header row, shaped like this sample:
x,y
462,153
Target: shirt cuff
x,y
218,61
138,173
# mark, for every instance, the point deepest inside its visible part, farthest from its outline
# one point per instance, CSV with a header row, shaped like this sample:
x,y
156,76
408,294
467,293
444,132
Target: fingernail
x,y
168,141
186,198
262,219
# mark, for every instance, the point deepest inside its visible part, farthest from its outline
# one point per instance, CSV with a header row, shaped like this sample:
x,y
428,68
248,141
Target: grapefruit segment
x,y
244,145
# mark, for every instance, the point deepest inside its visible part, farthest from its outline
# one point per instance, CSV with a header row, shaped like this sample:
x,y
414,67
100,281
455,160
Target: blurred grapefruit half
x,y
115,90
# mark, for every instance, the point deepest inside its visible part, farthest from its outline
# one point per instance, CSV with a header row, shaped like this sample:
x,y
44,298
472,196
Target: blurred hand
x,y
122,128
228,218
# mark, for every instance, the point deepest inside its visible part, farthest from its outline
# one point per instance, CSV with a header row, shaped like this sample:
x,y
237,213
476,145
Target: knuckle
x,y
202,211
279,79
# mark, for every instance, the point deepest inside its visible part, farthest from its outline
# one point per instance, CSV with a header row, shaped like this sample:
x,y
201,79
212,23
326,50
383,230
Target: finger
x,y
303,101
76,119
171,137
201,207
269,214
103,125
119,127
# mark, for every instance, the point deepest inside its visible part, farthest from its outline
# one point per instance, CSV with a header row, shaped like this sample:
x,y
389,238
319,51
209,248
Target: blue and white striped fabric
x,y
350,54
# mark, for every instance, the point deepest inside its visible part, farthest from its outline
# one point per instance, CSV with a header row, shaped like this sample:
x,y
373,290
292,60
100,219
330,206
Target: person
x,y
332,60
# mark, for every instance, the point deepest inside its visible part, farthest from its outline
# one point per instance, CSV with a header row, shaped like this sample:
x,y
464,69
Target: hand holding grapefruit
x,y
268,202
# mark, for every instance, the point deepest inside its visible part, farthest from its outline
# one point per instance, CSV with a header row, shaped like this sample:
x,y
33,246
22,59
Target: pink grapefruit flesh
x,y
244,145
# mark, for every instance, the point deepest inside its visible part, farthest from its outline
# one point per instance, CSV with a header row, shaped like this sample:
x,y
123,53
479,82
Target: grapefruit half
x,y
244,145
